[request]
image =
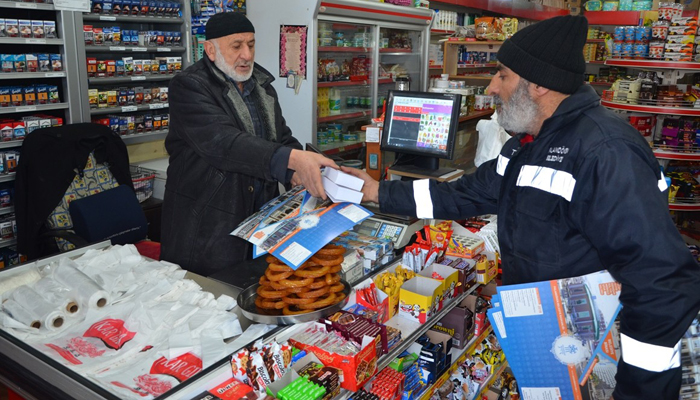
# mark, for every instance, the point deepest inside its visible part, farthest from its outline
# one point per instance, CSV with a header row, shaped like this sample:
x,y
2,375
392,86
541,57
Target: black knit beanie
x,y
549,53
228,23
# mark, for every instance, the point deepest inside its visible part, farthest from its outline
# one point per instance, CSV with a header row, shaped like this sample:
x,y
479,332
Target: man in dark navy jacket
x,y
577,190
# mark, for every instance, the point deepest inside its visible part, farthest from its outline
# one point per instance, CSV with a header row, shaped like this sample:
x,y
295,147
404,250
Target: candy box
x,y
459,322
309,366
466,269
356,369
417,298
382,308
448,278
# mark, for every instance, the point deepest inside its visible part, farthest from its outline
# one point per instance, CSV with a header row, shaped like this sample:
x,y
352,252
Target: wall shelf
x,y
595,62
7,177
145,137
353,83
682,65
132,19
7,210
128,79
134,49
11,144
612,17
32,75
476,115
514,8
11,40
38,107
690,112
345,115
340,147
28,6
397,51
126,109
674,155
336,49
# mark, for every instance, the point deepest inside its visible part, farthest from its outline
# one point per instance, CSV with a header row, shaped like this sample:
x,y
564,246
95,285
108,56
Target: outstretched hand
x,y
370,189
307,170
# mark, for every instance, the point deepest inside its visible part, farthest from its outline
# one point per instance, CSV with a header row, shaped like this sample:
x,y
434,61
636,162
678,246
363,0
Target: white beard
x,y
519,112
229,70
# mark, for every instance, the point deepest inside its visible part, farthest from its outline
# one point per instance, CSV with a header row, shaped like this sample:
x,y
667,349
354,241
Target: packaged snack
x,y
8,62
88,34
53,94
38,29
44,62
20,63
29,95
98,36
91,67
111,68
120,70
680,39
42,95
32,62
56,62
111,98
16,96
25,28
5,96
12,27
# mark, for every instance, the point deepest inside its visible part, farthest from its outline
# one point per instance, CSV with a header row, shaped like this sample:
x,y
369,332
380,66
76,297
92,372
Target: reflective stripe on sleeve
x,y
501,165
650,356
549,180
662,183
421,194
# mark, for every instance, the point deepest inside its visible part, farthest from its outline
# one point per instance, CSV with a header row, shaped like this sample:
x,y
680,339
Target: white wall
x,y
267,16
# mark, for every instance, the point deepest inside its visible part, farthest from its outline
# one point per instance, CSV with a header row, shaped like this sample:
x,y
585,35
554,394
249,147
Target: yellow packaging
x,y
486,269
92,95
390,282
448,285
111,98
417,299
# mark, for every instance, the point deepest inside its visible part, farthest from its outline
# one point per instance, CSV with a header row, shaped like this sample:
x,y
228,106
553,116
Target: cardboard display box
x,y
448,285
459,322
417,298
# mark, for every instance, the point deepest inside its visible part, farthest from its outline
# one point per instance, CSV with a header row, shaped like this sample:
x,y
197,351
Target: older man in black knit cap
x,y
229,147
577,190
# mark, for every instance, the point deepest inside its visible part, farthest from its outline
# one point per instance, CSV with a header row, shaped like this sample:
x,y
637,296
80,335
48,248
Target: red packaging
x,y
92,67
232,389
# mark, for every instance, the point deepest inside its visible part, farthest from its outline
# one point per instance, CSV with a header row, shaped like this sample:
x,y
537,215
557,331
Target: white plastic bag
x,y
492,137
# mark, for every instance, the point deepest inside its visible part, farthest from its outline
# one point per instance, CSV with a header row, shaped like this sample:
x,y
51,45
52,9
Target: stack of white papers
x,y
341,187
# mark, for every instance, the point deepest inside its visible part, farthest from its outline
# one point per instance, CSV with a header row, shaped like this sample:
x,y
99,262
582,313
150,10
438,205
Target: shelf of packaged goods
x,y
11,40
442,31
654,64
684,206
675,155
134,49
612,17
38,107
396,51
7,210
32,75
476,115
133,19
483,388
516,8
340,147
458,356
30,6
416,330
336,49
344,114
595,62
690,112
595,40
145,137
127,79
7,177
126,109
353,83
11,143
471,66
435,67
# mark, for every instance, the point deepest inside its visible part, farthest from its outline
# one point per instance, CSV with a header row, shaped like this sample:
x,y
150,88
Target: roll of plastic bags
x,y
58,294
88,292
20,314
50,317
16,277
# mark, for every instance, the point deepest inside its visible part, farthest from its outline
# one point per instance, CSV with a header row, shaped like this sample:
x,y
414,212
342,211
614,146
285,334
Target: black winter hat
x,y
549,53
228,23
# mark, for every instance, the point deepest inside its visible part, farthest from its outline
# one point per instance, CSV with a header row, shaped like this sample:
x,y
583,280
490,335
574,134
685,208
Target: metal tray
x,y
246,301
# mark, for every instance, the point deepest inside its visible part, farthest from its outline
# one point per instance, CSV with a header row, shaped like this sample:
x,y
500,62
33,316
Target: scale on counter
x,y
397,228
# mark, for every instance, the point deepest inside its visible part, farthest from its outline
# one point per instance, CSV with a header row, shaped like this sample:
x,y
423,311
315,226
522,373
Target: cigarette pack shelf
x,y
132,47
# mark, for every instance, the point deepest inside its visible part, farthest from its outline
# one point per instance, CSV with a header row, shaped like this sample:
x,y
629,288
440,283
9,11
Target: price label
x,y
25,5
161,49
54,74
138,78
129,108
139,49
35,41
157,106
26,108
117,48
107,18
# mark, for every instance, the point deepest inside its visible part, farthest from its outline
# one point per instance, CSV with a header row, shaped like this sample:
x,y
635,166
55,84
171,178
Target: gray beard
x,y
229,70
519,113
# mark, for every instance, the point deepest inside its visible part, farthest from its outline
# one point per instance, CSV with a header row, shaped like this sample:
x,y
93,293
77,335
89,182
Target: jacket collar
x,y
583,99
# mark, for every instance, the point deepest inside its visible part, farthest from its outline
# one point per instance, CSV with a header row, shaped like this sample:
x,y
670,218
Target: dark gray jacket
x,y
215,160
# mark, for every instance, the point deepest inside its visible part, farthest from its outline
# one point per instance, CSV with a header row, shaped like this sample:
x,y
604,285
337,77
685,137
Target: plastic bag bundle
x,y
492,137
89,293
48,314
57,294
